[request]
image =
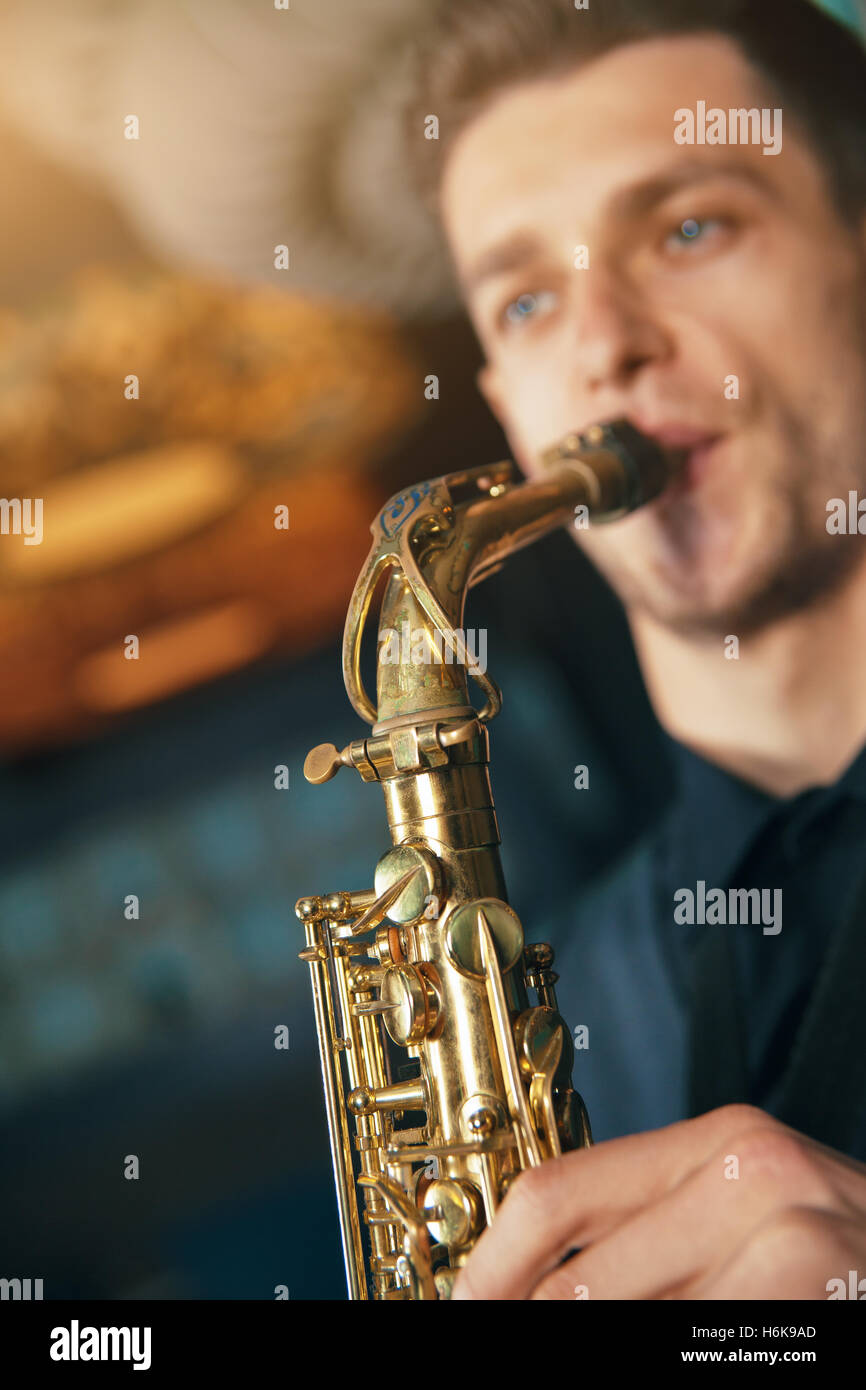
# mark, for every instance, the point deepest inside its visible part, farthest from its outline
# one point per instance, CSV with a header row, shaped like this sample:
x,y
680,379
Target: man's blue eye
x,y
693,230
526,306
522,308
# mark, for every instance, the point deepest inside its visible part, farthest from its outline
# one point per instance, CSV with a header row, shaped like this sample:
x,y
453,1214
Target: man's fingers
x,y
576,1199
696,1228
653,1211
794,1254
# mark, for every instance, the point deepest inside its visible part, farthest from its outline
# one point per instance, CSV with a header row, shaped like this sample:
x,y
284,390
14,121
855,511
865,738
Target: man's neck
x,y
788,713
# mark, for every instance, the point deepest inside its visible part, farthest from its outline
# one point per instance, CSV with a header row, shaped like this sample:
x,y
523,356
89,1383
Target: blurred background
x,y
171,393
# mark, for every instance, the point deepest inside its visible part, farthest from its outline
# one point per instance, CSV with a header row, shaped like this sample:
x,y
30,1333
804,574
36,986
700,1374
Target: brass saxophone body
x,y
446,1065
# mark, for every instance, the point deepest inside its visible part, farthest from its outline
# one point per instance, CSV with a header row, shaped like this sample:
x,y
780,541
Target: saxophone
x,y
442,1080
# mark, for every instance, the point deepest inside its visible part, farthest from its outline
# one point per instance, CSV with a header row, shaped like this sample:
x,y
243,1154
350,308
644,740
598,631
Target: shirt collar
x,y
717,817
853,779
812,803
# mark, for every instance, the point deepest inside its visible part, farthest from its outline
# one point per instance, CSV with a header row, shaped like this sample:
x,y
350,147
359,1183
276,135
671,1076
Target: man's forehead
x,y
630,92
599,129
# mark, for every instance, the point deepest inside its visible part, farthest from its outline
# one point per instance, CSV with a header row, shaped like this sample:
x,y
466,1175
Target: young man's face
x,y
763,284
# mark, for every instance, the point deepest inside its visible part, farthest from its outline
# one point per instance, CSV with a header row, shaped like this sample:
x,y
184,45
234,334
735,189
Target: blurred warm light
x,y
122,509
159,512
173,656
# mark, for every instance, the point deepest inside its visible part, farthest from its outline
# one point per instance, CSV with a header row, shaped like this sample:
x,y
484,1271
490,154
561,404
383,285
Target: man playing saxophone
x,y
631,244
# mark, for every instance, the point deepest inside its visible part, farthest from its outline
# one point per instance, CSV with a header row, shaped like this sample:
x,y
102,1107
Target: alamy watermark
x,y
77,1343
854,1287
22,516
421,646
21,1289
737,126
846,516
700,906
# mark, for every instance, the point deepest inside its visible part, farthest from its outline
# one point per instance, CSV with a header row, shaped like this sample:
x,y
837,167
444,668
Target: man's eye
x,y
527,307
695,231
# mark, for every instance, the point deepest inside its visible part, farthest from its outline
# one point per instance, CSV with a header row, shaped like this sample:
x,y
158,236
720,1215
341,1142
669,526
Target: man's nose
x,y
616,333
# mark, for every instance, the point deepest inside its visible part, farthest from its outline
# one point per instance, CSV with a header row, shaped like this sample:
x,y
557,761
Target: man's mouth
x,y
690,449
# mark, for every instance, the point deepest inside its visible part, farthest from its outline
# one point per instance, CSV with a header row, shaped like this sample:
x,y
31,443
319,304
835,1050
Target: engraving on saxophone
x,y
401,508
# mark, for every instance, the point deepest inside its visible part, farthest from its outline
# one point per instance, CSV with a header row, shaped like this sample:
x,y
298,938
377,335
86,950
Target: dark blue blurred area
x,y
155,1037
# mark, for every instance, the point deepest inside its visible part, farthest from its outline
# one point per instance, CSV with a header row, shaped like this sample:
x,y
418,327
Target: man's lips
x,y
689,446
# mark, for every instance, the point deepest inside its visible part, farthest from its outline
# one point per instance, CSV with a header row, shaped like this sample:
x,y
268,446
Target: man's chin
x,y
690,614
685,587
693,603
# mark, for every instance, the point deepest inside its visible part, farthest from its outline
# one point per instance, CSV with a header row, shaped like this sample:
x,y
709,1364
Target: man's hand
x,y
732,1204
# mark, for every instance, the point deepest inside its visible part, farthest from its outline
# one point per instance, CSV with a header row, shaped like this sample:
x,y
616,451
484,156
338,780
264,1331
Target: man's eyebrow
x,y
521,247
508,254
640,197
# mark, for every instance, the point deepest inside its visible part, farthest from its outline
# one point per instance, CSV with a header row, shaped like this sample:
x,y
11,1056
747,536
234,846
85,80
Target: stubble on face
x,y
783,557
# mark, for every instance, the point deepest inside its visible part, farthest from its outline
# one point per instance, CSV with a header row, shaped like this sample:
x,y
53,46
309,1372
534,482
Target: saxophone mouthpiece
x,y
645,467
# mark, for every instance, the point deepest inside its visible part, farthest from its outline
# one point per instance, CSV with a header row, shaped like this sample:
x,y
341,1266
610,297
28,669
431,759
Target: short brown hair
x,y
475,49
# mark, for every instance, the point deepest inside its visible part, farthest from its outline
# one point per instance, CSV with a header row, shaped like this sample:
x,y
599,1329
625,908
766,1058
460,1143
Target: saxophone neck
x,y
435,540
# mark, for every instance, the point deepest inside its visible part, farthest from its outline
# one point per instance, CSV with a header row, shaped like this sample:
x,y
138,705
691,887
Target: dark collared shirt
x,y
627,966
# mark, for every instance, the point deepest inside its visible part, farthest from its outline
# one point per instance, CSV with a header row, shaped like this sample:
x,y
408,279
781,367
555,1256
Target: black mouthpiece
x,y
647,466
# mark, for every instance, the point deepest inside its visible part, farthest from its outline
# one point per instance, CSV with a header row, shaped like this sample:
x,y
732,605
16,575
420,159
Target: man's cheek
x,y
534,420
526,440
